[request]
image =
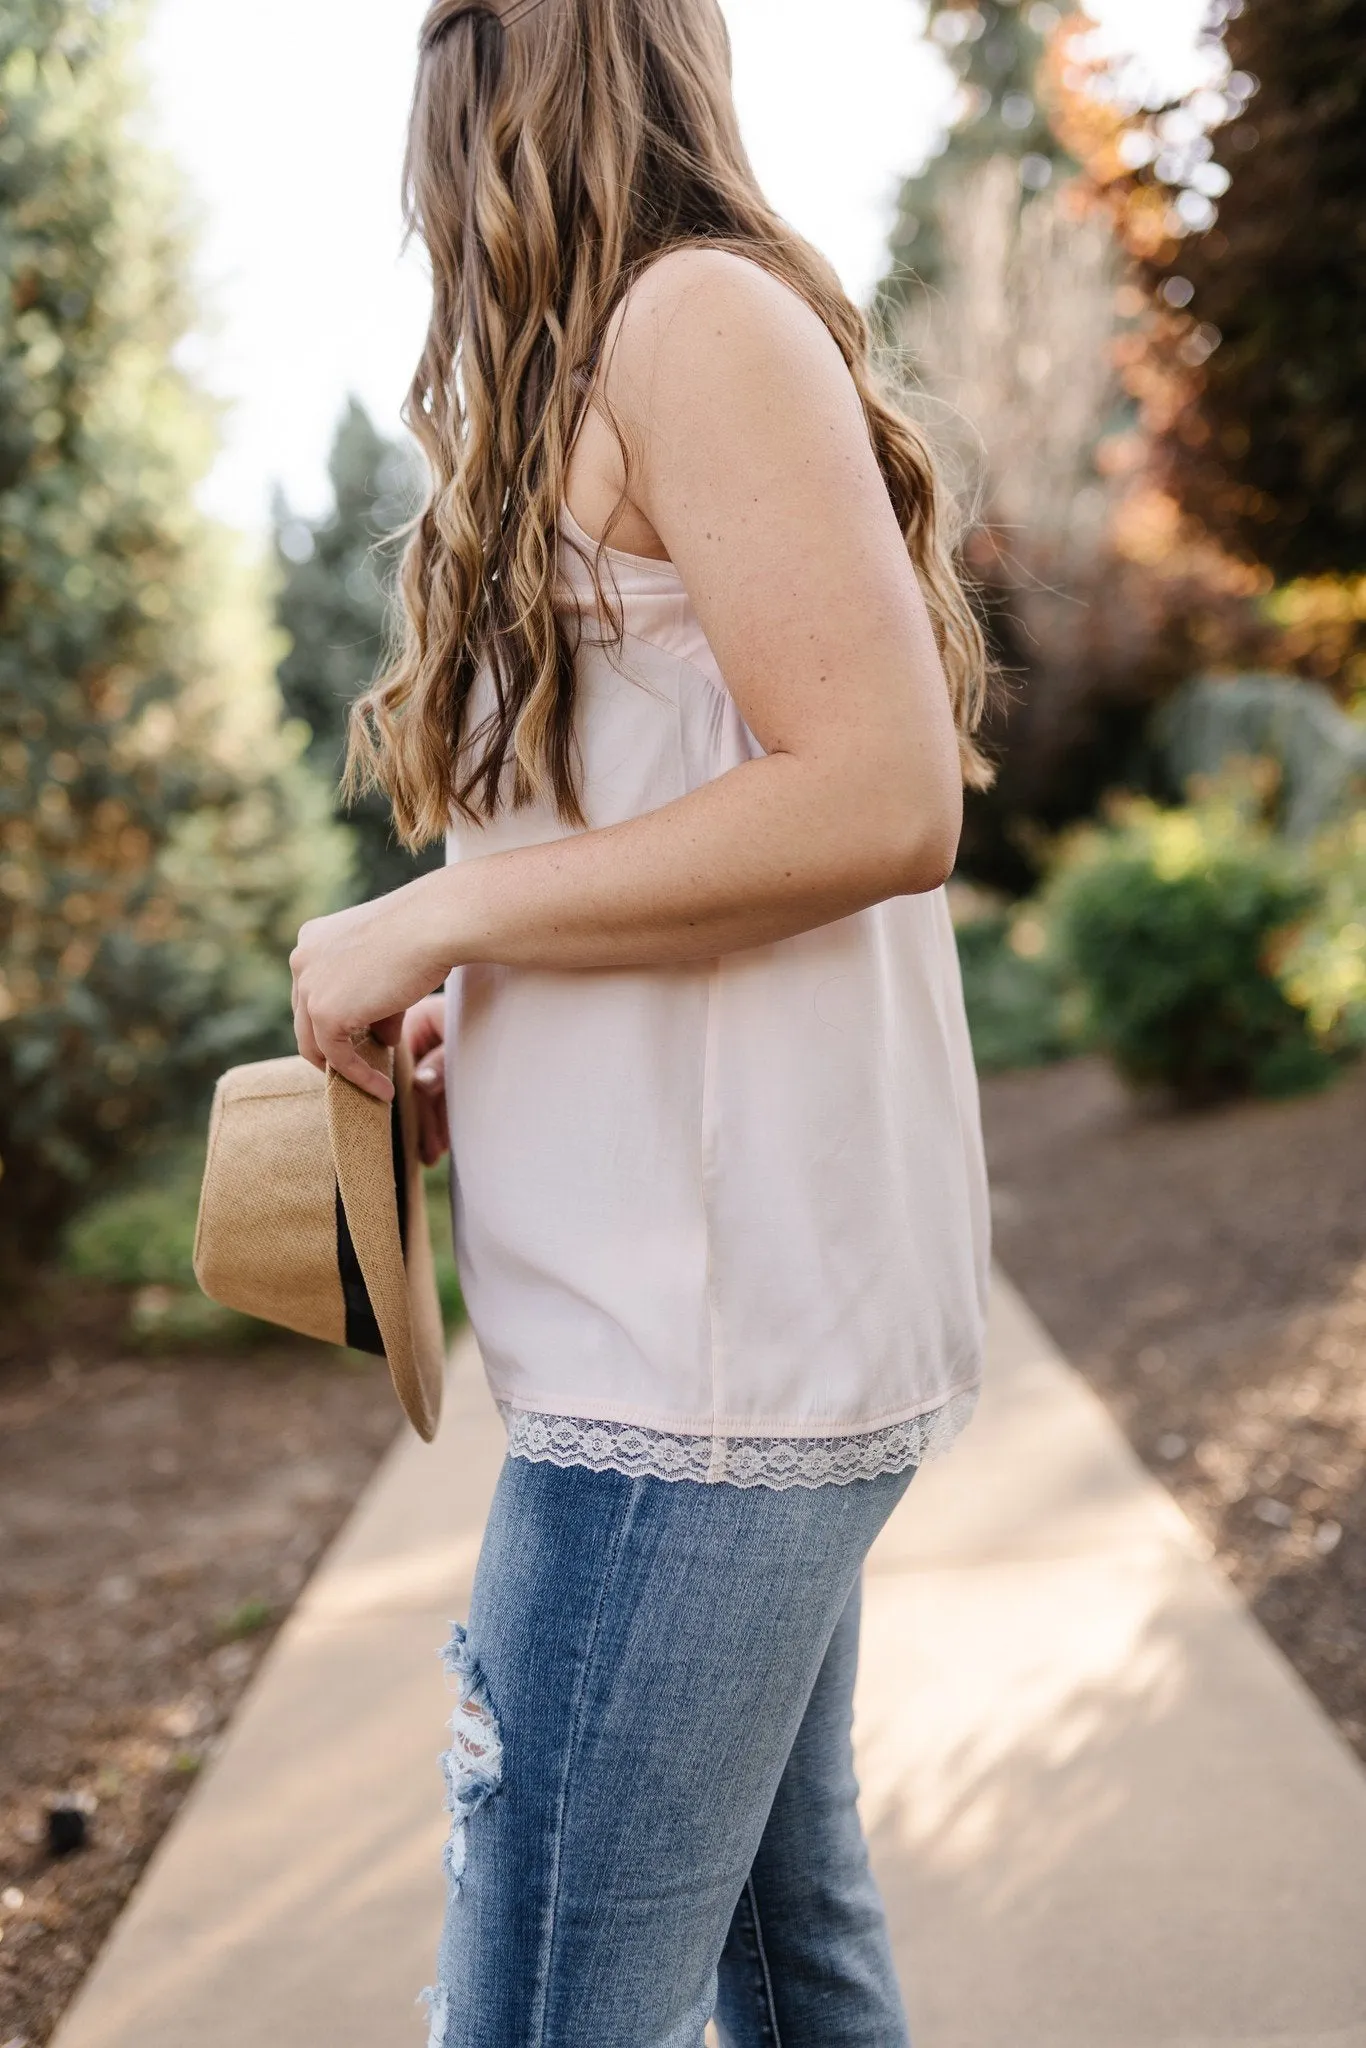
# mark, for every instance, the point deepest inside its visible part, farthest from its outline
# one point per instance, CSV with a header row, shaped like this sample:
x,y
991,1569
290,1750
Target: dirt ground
x,y
157,1519
1208,1275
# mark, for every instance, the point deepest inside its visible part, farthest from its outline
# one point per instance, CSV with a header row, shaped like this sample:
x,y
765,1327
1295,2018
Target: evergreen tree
x,y
334,600
995,48
158,838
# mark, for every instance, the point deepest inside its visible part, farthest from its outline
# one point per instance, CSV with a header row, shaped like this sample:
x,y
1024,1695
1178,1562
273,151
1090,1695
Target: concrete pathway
x,y
1104,1811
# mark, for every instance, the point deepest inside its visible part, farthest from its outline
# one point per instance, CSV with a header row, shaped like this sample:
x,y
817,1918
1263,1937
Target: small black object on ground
x,y
68,1829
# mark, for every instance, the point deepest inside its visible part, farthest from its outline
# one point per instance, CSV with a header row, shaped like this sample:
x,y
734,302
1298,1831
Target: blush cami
x,y
724,1221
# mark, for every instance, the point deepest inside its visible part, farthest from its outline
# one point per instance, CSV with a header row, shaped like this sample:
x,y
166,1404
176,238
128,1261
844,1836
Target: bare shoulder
x,y
699,322
752,467
696,283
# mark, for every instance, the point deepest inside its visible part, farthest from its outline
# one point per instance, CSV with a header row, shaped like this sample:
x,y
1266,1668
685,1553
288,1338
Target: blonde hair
x,y
555,149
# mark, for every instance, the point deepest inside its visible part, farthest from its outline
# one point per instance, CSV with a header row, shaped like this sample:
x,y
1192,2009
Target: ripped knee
x,y
474,1762
473,1767
439,2012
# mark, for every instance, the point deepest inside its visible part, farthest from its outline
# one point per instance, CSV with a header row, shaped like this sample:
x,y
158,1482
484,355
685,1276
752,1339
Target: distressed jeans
x,y
650,1779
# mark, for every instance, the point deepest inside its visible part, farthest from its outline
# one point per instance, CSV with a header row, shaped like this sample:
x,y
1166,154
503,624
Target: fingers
x,y
341,1054
303,1032
429,1093
425,1025
433,1133
430,1075
332,1045
326,1032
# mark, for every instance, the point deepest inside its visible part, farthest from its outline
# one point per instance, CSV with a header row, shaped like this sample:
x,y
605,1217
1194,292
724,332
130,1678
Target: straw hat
x,y
313,1214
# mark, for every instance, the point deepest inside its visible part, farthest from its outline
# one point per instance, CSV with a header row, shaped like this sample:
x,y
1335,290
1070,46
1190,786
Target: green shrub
x,y
1013,991
1176,925
143,1235
1324,969
141,1239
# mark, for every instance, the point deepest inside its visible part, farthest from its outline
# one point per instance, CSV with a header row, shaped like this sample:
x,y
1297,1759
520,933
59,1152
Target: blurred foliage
x,y
1253,371
162,1319
140,1238
994,50
1324,968
1170,478
1150,170
1014,351
159,836
142,1235
438,1180
1316,752
1014,991
1319,626
335,593
1207,947
1176,924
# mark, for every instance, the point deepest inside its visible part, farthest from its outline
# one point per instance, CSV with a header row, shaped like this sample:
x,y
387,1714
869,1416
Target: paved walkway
x,y
1104,1811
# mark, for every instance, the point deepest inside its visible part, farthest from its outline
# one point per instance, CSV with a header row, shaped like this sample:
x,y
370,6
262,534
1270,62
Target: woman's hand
x,y
424,1031
357,972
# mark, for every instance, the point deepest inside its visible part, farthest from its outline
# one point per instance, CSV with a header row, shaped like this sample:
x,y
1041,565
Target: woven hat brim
x,y
401,1285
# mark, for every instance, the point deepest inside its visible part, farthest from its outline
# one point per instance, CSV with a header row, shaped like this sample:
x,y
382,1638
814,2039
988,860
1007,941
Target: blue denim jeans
x,y
651,1779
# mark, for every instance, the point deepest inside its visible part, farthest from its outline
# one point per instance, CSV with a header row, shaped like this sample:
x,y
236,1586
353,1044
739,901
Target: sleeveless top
x,y
724,1221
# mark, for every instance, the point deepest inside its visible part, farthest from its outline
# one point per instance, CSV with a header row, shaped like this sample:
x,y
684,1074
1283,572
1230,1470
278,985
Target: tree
x,y
159,838
994,48
1098,596
1003,295
334,599
1254,372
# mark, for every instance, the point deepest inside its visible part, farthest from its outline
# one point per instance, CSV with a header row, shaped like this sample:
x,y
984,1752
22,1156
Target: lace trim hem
x,y
776,1461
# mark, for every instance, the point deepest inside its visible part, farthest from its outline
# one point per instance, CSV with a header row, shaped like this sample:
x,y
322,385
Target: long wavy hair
x,y
557,147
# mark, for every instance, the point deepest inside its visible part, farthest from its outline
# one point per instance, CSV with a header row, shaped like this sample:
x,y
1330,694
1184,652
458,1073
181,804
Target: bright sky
x,y
288,118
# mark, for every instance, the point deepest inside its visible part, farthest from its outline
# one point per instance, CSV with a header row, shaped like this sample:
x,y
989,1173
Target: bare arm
x,y
755,469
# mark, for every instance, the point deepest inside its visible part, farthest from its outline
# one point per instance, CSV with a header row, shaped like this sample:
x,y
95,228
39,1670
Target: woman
x,y
690,682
